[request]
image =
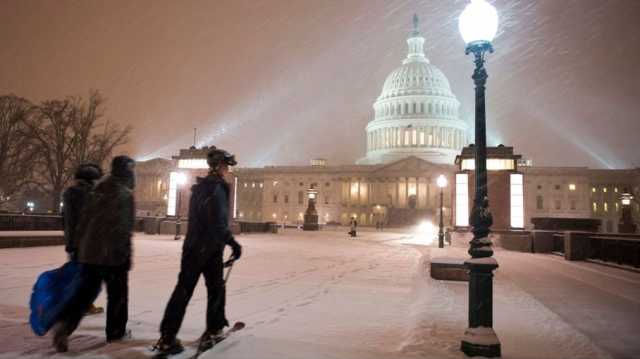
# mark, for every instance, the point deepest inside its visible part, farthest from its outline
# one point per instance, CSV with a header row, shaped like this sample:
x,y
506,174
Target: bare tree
x,y
69,132
17,150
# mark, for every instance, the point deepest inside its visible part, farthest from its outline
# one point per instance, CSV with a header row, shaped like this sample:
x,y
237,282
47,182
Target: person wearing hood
x,y
202,254
74,200
104,249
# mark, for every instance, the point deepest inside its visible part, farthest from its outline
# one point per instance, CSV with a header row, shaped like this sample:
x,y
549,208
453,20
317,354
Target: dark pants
x,y
192,265
116,279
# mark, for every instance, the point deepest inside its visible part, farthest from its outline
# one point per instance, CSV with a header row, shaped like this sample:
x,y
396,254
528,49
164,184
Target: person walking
x,y
354,226
73,201
104,250
202,254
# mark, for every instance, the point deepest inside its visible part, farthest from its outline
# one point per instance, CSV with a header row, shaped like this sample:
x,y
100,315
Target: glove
x,y
236,249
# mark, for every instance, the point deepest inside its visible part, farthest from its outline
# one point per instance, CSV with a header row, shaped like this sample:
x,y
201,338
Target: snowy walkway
x,y
321,295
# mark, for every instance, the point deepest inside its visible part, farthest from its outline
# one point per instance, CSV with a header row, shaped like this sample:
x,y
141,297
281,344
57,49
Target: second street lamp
x,y
442,183
181,179
478,26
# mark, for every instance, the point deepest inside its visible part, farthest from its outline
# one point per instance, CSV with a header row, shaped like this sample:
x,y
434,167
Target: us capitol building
x,y
416,134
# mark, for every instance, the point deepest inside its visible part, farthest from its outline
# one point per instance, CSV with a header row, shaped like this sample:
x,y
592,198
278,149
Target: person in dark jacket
x,y
73,201
104,248
202,254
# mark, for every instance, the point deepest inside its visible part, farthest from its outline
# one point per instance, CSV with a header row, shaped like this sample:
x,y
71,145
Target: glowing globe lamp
x,y
478,22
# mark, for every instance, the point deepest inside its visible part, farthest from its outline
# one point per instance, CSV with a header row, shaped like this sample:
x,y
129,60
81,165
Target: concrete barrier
x,y
542,241
512,240
576,245
443,268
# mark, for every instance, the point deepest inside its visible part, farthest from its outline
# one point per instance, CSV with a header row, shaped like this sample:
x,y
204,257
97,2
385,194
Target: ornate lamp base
x,y
480,339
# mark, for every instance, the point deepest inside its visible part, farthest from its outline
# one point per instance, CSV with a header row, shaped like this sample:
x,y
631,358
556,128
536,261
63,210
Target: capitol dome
x,y
416,114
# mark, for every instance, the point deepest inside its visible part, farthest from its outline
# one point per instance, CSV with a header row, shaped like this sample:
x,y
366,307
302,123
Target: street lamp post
x,y
626,224
478,25
181,179
442,183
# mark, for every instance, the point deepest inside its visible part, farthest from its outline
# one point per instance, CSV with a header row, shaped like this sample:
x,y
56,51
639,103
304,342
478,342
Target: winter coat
x,y
208,229
74,199
107,224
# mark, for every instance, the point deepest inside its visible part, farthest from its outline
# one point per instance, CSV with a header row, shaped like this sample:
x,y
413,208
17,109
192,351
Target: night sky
x,y
280,82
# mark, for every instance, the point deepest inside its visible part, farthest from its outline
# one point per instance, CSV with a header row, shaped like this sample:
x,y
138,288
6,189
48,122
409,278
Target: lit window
x,y
199,163
173,190
260,184
604,189
572,187
593,190
493,164
595,207
274,215
275,183
245,185
606,207
517,201
253,185
617,207
462,199
615,190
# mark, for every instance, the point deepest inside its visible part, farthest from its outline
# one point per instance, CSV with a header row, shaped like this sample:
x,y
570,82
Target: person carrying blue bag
x,y
55,288
74,200
104,253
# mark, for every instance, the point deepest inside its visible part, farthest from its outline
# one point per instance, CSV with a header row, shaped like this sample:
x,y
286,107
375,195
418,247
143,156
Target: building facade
x,y
415,136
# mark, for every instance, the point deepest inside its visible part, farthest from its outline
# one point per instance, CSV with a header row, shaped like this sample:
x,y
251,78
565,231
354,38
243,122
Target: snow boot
x,y
94,310
60,337
209,339
126,336
168,346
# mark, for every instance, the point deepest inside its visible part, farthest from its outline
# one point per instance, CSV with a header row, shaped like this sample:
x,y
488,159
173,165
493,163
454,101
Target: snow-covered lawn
x,y
311,295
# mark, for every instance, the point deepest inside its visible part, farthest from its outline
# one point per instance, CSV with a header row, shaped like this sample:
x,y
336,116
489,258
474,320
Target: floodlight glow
x,y
427,232
478,22
181,178
442,181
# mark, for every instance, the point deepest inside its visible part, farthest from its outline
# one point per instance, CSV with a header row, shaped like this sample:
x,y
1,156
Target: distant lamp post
x,y
181,179
626,224
31,206
311,214
478,26
442,183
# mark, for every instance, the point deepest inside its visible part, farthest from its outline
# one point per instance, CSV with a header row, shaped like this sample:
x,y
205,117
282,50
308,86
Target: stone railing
x,y
623,249
30,222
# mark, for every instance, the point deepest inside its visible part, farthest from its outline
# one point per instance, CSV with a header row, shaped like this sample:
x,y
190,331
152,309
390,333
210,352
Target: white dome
x,y
416,78
416,114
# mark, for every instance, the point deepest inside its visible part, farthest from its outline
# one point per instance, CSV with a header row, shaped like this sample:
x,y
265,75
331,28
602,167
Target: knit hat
x,y
122,166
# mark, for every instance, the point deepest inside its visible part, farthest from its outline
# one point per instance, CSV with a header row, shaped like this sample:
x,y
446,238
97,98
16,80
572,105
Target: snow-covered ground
x,y
323,295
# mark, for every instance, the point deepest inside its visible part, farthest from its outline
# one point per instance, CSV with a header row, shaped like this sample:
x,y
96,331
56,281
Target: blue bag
x,y
52,293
